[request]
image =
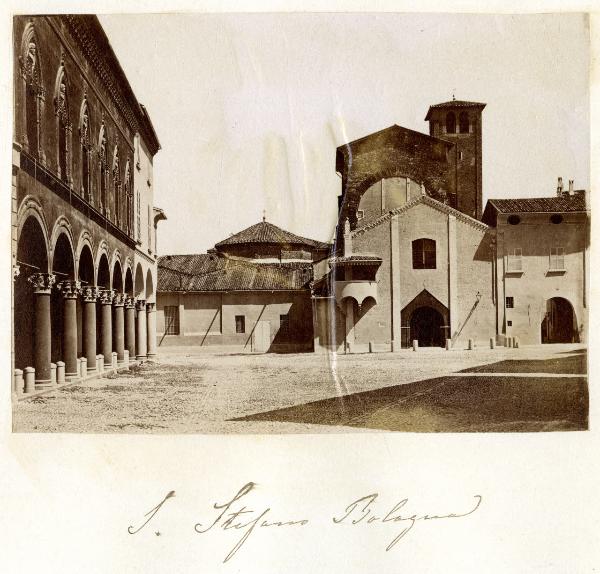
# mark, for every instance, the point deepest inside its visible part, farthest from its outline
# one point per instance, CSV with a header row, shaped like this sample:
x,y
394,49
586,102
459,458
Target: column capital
x,y
150,307
90,293
119,299
16,270
140,304
70,289
129,302
42,282
106,296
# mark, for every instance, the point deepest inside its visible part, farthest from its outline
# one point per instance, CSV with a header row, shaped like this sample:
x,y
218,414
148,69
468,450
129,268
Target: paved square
x,y
191,391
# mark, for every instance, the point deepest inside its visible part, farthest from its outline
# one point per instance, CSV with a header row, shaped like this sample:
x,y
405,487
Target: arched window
x,y
84,138
103,171
423,253
128,200
116,172
34,91
61,102
450,123
463,123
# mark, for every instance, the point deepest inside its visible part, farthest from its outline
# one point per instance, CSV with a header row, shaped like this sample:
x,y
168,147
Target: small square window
x,y
510,302
360,214
240,324
509,323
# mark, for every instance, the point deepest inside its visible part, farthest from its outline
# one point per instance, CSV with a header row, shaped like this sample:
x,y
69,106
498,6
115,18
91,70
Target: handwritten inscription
x,y
236,515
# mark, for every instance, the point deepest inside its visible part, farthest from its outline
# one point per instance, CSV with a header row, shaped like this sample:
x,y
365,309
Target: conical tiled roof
x,y
267,233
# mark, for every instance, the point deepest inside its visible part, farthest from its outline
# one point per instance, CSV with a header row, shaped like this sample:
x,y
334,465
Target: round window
x,y
514,219
556,218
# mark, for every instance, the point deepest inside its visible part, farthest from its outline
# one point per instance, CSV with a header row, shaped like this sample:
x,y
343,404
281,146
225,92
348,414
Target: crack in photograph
x,y
363,223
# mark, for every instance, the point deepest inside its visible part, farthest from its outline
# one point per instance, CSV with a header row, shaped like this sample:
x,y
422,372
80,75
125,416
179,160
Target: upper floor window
x,y
463,123
423,254
450,123
557,258
64,126
515,260
33,93
171,319
128,200
116,172
84,137
103,170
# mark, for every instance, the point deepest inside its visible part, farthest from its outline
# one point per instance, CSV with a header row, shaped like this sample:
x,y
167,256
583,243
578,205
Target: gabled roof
x,y
394,128
556,204
267,233
210,272
427,200
454,104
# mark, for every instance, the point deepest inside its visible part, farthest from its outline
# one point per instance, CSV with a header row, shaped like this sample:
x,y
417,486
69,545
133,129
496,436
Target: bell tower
x,y
459,122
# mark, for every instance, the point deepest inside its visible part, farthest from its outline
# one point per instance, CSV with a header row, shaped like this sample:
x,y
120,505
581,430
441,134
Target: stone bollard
x,y
492,343
348,348
471,345
60,373
100,363
415,345
126,357
29,379
83,367
448,344
114,360
509,342
53,374
371,347
18,382
516,343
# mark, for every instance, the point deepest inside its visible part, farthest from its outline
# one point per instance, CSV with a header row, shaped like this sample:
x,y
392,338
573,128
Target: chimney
x,y
559,187
571,186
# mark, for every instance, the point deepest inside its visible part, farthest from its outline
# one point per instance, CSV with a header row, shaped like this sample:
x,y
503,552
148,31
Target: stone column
x,y
119,326
106,299
42,284
70,291
151,326
142,333
130,326
90,294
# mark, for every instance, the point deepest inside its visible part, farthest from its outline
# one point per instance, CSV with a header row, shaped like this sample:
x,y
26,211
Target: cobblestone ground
x,y
192,391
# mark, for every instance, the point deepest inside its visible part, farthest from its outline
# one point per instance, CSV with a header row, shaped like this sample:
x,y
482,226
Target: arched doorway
x,y
427,327
63,266
559,324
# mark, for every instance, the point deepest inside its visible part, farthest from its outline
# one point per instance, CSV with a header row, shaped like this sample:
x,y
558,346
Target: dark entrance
x,y
426,326
559,324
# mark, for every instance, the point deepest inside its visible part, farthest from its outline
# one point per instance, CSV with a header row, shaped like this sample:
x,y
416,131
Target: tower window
x,y
423,253
463,123
450,123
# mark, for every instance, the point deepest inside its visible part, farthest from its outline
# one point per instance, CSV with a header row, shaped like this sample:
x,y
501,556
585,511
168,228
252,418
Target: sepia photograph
x,y
300,223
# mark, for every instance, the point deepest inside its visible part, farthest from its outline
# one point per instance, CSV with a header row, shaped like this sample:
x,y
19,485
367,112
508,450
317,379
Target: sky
x,y
250,108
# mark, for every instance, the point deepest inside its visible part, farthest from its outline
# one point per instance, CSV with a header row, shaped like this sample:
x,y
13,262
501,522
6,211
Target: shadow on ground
x,y
460,404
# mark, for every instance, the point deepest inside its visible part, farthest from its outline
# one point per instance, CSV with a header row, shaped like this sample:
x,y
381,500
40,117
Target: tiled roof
x,y
455,104
208,272
554,204
265,232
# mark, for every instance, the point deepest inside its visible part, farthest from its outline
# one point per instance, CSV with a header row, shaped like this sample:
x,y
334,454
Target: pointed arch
x,y
64,126
102,152
85,145
34,93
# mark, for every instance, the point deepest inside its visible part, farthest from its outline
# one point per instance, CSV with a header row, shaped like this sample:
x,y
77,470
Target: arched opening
x,y
450,123
103,283
427,327
32,258
140,290
117,282
129,282
64,268
560,323
86,276
423,254
33,92
463,123
149,287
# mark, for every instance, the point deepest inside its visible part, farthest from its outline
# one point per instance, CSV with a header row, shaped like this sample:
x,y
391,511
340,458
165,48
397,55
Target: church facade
x,y
416,260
